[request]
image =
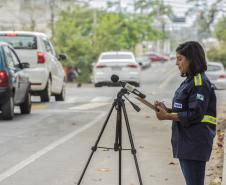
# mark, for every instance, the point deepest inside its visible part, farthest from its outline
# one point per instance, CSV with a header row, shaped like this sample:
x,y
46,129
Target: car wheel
x,y
61,96
98,85
25,107
8,109
46,94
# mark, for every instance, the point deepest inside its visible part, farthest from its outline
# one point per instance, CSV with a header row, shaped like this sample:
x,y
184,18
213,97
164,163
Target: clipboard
x,y
150,105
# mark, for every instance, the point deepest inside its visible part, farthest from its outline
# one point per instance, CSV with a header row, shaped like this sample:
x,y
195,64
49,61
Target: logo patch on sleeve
x,y
177,105
200,97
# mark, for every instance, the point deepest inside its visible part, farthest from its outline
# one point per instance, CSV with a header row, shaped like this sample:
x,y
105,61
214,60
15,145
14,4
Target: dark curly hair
x,y
195,54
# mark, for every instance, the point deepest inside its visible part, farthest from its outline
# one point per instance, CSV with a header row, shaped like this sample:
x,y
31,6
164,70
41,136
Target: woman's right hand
x,y
160,104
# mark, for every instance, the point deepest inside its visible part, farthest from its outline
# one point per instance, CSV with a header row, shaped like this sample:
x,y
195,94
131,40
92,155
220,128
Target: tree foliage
x,y
156,9
206,14
219,54
220,30
83,33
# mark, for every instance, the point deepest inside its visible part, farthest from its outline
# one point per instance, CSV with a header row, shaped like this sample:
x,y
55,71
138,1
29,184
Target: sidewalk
x,y
224,164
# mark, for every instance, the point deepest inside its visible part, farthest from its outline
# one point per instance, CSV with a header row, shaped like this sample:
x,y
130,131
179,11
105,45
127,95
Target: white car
x,y
119,63
46,73
216,74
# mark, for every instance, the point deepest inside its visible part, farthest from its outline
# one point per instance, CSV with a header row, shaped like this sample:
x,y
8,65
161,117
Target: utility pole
x,y
33,22
94,25
120,6
134,7
52,6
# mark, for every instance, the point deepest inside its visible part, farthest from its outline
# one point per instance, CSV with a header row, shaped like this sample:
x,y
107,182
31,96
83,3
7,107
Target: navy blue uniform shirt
x,y
195,103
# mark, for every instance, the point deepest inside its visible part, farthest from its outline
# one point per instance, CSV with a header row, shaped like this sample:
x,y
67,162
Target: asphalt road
x,y
52,144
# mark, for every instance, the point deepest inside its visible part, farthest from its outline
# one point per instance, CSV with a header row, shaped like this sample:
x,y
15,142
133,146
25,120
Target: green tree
x,y
220,30
83,41
156,9
73,36
219,54
143,6
206,15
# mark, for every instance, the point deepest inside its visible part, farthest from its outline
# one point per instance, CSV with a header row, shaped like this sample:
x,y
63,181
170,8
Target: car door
x,y
60,71
23,80
51,57
18,77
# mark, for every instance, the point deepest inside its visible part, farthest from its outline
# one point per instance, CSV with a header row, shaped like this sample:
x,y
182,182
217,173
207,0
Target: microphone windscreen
x,y
114,78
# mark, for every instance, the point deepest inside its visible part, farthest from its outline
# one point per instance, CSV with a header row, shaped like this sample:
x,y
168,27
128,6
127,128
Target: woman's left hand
x,y
161,113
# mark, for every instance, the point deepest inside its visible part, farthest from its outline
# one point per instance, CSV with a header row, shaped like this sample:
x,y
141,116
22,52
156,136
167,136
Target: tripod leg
x,y
119,118
118,123
94,148
118,137
132,143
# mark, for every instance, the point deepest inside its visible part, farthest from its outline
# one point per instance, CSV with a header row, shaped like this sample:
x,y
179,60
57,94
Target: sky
x,y
179,6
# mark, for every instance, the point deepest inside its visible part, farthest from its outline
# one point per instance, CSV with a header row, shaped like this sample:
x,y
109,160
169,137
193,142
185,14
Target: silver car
x,y
216,74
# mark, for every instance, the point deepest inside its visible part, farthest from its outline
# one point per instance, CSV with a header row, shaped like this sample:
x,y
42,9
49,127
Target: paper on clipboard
x,y
150,105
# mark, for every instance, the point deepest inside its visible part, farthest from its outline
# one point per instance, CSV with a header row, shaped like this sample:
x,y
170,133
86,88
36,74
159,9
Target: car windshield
x,y
20,41
214,68
116,56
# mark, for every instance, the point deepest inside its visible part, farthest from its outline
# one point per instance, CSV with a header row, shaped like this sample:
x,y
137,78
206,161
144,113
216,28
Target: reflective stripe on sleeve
x,y
198,80
209,119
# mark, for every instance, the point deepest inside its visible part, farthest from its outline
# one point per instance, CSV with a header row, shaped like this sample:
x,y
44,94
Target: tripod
x,y
119,105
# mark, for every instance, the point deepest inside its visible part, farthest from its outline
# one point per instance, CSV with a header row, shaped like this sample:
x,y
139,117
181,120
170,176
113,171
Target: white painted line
x,y
63,111
88,106
71,99
101,99
47,149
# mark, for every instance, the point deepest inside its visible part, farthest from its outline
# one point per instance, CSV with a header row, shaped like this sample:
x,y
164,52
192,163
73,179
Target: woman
x,y
193,113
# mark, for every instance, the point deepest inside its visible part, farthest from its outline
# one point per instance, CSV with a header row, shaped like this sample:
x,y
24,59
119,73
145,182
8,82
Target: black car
x,y
14,83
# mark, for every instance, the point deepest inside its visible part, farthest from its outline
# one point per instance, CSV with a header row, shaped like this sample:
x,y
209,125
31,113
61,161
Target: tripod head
x,y
124,91
127,86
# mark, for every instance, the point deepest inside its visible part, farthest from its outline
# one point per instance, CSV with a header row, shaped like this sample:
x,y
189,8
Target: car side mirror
x,y
22,65
62,57
25,65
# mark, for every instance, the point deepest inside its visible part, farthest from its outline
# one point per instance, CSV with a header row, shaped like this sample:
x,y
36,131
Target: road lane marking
x,y
70,100
47,149
88,106
63,111
101,99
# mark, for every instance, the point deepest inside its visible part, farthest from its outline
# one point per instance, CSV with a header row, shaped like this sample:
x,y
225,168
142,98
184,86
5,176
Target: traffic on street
x,y
112,92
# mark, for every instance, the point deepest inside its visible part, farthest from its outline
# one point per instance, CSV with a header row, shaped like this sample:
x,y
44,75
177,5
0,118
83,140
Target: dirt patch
x,y
214,169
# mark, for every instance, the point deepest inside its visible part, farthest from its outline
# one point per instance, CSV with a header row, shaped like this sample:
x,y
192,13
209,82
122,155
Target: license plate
x,y
116,68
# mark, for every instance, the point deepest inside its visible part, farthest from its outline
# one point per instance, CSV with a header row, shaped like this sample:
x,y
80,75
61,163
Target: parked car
x,y
14,83
155,57
216,74
120,63
143,61
46,73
